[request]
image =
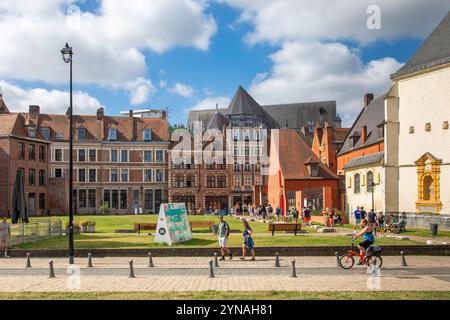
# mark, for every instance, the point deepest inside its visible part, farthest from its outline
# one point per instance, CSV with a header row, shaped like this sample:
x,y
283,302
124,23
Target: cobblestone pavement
x,y
423,273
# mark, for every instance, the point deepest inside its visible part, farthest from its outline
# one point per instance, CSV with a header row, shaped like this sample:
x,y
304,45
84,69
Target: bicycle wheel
x,y
346,262
376,261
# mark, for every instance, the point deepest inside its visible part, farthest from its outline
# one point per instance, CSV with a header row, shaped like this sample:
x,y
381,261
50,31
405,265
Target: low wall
x,y
388,250
423,220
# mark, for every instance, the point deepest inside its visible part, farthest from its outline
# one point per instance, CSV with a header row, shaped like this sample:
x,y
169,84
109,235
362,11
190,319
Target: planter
x,y
83,229
91,228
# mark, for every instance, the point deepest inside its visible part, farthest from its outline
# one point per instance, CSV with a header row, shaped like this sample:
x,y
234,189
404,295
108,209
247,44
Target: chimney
x,y
131,122
363,134
368,97
100,113
163,115
34,112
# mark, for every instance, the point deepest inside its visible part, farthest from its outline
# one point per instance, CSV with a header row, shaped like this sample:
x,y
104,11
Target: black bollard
x,y
150,260
293,272
216,262
277,260
28,261
211,269
52,270
338,261
403,260
90,260
131,270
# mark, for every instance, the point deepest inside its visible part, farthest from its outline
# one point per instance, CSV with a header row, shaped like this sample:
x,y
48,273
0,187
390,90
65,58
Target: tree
x,y
173,127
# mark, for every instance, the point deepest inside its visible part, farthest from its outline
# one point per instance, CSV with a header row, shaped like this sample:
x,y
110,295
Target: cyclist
x,y
368,239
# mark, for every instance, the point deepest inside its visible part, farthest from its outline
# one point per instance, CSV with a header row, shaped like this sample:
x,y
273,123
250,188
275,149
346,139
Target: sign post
x,y
173,225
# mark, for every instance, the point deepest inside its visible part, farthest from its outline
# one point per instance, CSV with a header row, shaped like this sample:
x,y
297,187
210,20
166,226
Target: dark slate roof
x,y
218,121
365,160
434,51
371,116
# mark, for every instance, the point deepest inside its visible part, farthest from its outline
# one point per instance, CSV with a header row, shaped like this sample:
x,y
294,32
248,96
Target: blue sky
x,y
208,48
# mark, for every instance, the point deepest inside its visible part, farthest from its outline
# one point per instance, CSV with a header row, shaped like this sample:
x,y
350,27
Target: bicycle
x,y
373,257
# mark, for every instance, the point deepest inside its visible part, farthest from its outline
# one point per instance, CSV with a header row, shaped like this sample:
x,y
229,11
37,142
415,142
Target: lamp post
x,y
372,184
67,53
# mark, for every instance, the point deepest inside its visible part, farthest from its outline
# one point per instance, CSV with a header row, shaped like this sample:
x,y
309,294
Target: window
x,y
247,151
222,181
235,134
81,133
247,135
247,167
114,156
210,183
42,153
147,135
92,175
21,151
41,201
124,175
31,177
236,151
123,199
114,175
236,182
92,155
257,135
59,136
237,167
314,170
159,156
58,155
32,152
82,198
179,182
45,132
247,182
357,187
380,130
148,199
370,182
148,175
115,199
124,155
112,134
81,155
42,177
81,175
148,155
32,132
107,198
159,175
190,182
58,173
91,198
256,150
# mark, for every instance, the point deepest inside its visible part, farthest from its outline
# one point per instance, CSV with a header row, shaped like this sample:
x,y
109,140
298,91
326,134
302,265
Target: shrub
x,y
105,208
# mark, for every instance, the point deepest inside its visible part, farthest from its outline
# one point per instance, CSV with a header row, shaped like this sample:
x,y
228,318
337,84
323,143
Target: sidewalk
x,y
191,274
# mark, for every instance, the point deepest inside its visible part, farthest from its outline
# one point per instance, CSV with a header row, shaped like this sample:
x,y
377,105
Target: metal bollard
x,y
28,265
293,272
52,270
90,260
338,261
150,260
211,269
216,262
403,260
277,260
131,269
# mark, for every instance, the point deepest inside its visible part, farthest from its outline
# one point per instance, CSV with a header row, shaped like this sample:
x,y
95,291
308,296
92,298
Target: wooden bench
x,y
295,227
202,224
144,226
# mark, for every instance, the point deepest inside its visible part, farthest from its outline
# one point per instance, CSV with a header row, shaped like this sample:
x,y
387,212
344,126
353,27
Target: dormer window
x,y
354,139
314,169
112,134
59,136
380,130
147,135
45,132
32,132
81,133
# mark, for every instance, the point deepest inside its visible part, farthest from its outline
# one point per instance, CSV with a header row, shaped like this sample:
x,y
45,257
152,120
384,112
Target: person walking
x,y
5,235
307,216
372,219
357,215
223,232
248,241
270,212
363,213
381,223
278,213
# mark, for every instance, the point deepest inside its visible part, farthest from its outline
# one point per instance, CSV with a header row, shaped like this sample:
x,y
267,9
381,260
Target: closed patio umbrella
x,y
19,213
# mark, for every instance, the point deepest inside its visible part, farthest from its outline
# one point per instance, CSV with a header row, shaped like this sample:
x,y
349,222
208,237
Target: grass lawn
x,y
216,295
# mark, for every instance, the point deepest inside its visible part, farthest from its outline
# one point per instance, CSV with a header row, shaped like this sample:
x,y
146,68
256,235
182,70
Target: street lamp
x,y
372,185
67,53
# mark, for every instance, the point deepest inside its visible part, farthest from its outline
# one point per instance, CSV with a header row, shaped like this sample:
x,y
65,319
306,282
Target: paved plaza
x,y
181,274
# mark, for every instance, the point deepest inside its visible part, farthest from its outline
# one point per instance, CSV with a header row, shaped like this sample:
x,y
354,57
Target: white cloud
x,y
325,20
51,101
306,72
210,103
182,90
108,44
140,90
162,83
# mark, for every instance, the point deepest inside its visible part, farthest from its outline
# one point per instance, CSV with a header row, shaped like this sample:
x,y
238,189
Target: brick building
x,y
119,161
23,148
